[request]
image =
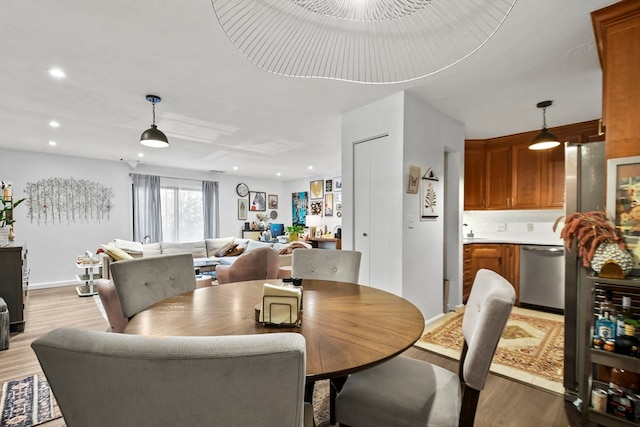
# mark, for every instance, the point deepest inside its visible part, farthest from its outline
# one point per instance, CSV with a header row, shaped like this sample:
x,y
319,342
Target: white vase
x,y
611,252
4,236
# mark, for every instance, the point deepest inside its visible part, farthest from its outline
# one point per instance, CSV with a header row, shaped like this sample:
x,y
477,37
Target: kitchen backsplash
x,y
533,225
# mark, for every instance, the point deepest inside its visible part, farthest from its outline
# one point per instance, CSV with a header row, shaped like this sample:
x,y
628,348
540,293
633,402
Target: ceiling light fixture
x,y
377,41
153,137
57,73
54,124
545,139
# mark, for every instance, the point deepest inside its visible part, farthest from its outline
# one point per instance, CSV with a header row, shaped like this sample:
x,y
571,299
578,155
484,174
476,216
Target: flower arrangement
x,y
7,205
589,230
262,217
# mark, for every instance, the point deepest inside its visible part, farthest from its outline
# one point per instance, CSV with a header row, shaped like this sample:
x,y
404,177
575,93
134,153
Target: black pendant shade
x,y
153,137
545,139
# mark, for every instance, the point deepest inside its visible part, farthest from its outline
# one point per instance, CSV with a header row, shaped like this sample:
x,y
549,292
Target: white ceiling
x,y
220,111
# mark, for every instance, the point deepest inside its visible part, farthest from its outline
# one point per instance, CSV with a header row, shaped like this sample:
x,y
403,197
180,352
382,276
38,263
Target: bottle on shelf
x,y
625,314
605,331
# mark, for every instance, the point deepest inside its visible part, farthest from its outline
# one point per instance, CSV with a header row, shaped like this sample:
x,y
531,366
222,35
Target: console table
x,y
322,243
13,282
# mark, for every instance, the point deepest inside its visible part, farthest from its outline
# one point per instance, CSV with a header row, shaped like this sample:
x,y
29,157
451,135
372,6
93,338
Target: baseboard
x,y
46,285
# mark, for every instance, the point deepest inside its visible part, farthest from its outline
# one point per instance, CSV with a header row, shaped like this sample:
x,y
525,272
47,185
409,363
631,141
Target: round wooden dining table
x,y
347,327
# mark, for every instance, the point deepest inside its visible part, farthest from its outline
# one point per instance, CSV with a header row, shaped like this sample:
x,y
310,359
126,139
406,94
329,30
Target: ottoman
x,y
203,281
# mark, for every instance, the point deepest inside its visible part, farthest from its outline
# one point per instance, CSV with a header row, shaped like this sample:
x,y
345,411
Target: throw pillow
x,y
224,251
116,253
238,250
128,246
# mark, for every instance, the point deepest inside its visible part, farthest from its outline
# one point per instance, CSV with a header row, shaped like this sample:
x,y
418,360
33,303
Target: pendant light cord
x,y
153,103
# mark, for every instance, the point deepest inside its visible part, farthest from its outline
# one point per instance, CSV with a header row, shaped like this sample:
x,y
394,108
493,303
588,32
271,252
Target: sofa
x,y
224,250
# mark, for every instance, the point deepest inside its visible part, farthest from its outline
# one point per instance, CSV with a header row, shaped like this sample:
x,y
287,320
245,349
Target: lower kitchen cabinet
x,y
499,257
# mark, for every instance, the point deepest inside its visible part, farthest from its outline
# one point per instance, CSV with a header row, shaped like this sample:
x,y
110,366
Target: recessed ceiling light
x,y
57,73
54,124
140,154
310,167
52,143
278,174
235,168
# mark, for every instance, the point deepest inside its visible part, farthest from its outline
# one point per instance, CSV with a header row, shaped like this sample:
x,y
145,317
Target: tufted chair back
x,y
142,282
326,264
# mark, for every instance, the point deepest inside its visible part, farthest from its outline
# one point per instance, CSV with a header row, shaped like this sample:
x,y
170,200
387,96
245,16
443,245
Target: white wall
x,y
54,247
382,117
429,134
422,135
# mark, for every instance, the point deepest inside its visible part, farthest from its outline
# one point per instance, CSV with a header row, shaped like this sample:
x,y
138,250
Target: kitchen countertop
x,y
525,240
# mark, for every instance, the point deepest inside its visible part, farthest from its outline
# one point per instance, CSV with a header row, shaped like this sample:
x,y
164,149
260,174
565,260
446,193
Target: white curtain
x,y
210,217
147,209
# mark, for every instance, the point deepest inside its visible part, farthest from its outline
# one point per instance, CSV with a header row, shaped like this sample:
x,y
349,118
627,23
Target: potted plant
x,y
294,232
6,218
597,243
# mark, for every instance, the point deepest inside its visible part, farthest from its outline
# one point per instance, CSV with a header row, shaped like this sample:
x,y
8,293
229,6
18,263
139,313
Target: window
x,y
174,210
181,211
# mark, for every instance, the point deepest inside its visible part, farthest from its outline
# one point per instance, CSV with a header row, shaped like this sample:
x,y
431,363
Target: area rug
x,y
531,349
27,402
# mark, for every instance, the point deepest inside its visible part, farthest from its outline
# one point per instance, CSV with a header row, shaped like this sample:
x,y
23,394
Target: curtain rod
x,y
170,177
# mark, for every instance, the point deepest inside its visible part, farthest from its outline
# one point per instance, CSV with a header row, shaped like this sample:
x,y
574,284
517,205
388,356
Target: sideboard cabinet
x,y
13,282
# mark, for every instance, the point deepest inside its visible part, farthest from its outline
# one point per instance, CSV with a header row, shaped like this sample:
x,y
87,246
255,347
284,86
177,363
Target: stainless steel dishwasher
x,y
542,277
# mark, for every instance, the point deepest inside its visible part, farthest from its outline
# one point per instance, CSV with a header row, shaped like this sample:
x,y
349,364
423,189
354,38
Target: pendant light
x,y
153,137
545,139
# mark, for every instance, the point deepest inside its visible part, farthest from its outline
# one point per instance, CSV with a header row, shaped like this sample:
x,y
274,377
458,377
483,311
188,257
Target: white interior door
x,y
372,210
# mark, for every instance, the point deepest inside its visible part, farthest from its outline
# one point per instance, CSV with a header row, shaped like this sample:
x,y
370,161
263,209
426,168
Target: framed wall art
x,y
431,196
316,208
328,204
273,201
337,184
316,188
257,201
623,202
328,186
242,209
414,179
299,205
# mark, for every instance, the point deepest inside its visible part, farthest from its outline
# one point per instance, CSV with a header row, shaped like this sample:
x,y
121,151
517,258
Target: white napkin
x,y
280,304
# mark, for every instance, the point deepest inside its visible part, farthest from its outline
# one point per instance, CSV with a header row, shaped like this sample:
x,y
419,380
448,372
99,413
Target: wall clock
x,y
242,189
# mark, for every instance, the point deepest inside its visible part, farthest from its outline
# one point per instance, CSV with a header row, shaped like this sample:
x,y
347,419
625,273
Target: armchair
x,y
261,263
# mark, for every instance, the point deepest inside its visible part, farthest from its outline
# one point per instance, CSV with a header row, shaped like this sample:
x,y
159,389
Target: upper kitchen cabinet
x,y
502,173
617,33
474,170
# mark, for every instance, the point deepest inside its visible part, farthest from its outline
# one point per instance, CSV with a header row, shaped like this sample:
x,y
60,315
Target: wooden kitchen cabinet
x,y
474,175
617,33
502,173
498,176
501,258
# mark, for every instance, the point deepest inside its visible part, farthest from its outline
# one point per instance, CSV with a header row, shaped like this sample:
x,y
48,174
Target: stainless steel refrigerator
x,y
585,177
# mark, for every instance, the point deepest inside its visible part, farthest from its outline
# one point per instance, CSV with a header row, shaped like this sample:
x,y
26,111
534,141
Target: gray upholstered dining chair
x,y
103,379
326,264
408,392
141,282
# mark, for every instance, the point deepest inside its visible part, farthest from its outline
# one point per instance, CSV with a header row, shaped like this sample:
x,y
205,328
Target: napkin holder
x,y
280,306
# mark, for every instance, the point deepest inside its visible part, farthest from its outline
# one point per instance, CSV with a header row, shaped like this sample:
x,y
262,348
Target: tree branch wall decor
x,y
55,200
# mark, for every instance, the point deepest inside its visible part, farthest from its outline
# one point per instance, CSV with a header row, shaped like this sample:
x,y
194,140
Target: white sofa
x,y
204,249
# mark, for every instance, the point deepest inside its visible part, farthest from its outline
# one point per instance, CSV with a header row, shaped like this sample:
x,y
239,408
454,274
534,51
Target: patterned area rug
x,y
531,349
27,402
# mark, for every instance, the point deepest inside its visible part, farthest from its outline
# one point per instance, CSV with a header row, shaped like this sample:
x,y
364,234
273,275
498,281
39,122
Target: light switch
x,y
412,220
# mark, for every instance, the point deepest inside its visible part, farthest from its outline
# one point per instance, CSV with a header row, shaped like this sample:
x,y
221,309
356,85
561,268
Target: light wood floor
x,y
502,403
